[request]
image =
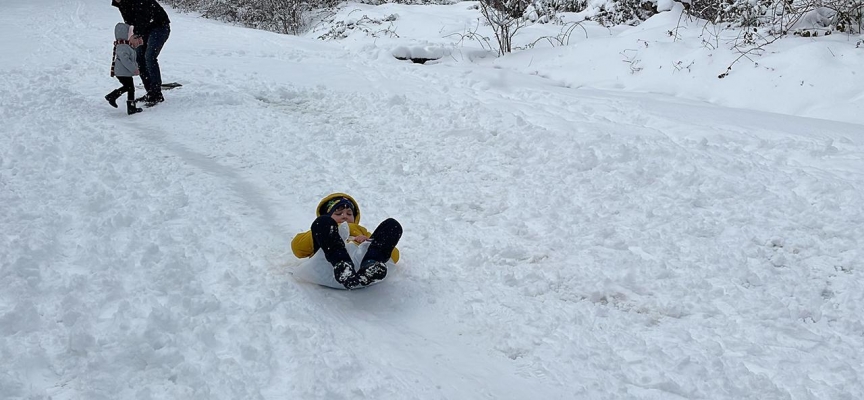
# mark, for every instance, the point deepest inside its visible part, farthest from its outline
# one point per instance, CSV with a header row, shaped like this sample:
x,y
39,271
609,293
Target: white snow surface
x,y
576,227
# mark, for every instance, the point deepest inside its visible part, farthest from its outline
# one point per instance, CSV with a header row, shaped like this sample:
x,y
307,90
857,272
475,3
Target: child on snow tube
x,y
336,243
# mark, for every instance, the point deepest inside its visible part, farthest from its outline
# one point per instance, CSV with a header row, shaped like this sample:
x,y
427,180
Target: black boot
x,y
131,109
384,240
113,96
373,271
154,99
325,235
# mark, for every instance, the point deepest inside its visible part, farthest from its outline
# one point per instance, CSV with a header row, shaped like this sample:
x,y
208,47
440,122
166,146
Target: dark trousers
x,y
148,58
128,87
325,236
384,240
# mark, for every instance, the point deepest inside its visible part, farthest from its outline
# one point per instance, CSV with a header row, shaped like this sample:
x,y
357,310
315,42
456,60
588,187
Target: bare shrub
x,y
506,18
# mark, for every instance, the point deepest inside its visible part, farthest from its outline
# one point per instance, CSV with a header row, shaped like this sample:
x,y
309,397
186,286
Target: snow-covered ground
x,y
592,221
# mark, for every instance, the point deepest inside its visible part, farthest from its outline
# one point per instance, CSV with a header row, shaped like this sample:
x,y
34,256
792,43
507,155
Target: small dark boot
x,y
131,109
373,271
113,96
344,273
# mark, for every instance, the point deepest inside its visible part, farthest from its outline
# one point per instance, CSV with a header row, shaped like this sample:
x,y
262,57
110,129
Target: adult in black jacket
x,y
152,27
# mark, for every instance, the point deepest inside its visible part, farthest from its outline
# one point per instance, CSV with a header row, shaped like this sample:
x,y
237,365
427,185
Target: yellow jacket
x,y
302,245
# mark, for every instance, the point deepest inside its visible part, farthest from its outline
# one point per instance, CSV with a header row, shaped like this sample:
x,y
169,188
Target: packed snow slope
x,y
563,240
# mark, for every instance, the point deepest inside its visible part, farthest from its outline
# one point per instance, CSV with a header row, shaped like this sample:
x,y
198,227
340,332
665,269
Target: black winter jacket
x,y
144,15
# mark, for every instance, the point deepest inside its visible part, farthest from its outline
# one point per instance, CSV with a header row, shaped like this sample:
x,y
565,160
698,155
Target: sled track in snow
x,y
247,192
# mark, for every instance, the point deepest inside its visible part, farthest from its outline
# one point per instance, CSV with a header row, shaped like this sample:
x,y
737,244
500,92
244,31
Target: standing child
x,y
324,240
124,66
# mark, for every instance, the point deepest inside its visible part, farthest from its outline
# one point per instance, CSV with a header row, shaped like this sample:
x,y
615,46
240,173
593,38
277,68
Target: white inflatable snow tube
x,y
317,270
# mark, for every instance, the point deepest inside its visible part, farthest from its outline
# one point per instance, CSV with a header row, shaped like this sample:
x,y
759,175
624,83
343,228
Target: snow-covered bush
x,y
409,2
783,16
604,12
375,27
849,15
567,5
629,12
283,16
778,17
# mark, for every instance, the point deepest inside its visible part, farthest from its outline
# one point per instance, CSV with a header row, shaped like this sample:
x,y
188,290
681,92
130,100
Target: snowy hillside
x,y
578,225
